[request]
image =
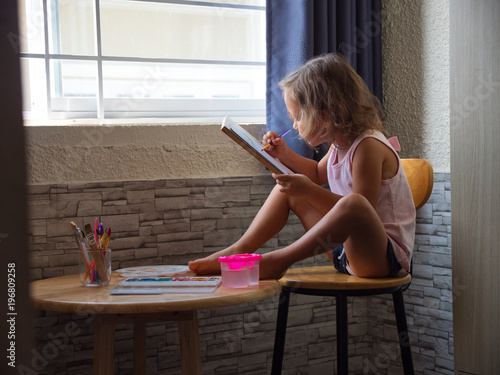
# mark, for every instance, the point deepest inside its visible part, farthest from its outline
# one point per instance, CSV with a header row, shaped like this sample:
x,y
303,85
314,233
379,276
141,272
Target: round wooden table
x,y
66,294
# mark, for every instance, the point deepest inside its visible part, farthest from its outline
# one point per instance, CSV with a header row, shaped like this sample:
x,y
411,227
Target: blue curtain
x,y
300,29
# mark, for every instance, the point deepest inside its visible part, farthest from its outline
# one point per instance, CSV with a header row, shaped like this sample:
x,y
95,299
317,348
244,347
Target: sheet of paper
x,y
256,145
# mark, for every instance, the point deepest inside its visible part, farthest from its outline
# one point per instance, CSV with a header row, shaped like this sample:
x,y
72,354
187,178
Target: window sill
x,y
143,121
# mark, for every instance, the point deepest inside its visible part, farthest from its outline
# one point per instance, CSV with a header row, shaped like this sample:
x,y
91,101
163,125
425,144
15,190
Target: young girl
x,y
368,217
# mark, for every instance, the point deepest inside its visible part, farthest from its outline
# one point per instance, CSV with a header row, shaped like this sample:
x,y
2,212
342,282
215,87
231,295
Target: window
x,y
131,58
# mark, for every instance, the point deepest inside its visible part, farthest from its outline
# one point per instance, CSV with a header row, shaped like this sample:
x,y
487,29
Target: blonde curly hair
x,y
328,87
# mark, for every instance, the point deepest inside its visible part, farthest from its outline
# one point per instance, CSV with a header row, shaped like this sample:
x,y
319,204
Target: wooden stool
x,y
327,281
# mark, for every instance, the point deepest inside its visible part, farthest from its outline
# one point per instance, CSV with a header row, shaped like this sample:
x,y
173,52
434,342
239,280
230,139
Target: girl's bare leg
x,y
270,219
352,222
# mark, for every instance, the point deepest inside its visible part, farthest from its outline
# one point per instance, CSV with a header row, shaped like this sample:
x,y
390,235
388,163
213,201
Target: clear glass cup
x,y
94,267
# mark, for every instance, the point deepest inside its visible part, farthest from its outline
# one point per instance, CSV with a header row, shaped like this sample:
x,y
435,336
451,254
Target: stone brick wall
x,y
173,221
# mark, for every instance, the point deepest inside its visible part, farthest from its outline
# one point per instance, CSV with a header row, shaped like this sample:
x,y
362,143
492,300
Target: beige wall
x,y
416,98
416,77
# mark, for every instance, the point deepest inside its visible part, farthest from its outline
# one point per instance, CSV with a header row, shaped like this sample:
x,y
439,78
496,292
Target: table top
x,y
66,294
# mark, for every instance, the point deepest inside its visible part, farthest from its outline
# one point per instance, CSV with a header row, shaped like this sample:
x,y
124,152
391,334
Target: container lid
x,y
235,262
240,261
254,256
240,258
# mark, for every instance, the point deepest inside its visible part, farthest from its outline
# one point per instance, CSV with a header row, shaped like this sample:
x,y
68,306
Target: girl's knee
x,y
354,207
354,202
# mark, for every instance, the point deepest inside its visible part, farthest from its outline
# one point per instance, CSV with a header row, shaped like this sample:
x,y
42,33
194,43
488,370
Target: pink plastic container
x,y
253,265
240,270
235,271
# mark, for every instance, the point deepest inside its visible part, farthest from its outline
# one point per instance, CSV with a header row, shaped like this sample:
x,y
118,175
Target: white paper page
x,y
255,144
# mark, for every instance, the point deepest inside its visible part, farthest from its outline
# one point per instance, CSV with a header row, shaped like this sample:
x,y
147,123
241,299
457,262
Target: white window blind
x,y
153,59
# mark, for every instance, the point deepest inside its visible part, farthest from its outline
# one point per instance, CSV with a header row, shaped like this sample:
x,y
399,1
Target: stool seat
x,y
328,278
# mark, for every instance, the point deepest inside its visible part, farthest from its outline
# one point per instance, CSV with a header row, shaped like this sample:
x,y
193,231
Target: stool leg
x,y
342,352
404,338
279,339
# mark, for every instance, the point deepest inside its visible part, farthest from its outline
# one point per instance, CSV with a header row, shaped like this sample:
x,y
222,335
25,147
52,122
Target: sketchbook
x,y
165,285
253,146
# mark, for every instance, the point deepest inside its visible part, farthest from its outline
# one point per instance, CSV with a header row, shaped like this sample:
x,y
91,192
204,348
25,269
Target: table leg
x,y
139,347
190,345
104,345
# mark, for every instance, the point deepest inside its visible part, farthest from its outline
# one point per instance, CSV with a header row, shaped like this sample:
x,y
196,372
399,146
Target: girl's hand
x,y
277,146
296,184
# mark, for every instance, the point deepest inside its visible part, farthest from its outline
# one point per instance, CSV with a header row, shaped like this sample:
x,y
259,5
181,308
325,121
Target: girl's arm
x,y
372,163
309,189
316,171
299,185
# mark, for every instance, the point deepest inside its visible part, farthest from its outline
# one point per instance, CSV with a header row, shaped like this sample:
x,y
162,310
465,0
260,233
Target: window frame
x,y
101,108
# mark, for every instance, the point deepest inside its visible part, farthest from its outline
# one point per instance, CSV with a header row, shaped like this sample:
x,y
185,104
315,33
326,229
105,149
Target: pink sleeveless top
x,y
395,204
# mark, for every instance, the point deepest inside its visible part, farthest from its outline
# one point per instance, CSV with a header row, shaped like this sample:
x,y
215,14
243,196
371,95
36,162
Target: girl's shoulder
x,y
371,142
375,135
375,148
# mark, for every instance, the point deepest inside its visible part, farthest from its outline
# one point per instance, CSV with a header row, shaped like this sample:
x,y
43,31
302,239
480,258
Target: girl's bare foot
x,y
205,266
210,264
271,267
